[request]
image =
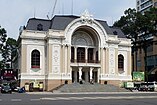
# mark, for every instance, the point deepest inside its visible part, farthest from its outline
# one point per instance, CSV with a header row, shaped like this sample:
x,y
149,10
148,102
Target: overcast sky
x,y
15,13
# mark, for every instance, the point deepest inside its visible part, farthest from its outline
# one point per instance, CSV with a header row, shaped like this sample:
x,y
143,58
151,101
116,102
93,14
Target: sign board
x,y
138,76
129,85
9,74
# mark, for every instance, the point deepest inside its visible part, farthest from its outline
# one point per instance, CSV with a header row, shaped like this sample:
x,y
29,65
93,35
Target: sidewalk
x,y
38,92
51,93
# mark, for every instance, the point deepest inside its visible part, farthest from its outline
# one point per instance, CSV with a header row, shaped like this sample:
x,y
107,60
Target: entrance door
x,y
86,76
83,75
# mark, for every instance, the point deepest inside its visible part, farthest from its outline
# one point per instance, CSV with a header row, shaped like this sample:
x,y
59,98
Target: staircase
x,y
76,87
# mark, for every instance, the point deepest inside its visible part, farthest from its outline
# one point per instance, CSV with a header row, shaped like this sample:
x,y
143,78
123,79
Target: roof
x,y
60,22
118,31
33,23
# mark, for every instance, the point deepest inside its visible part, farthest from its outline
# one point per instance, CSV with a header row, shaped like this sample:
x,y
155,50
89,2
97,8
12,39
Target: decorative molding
x,y
112,61
86,17
82,38
35,70
56,59
113,41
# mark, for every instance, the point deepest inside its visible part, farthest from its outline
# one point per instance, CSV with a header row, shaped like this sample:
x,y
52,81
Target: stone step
x,y
67,88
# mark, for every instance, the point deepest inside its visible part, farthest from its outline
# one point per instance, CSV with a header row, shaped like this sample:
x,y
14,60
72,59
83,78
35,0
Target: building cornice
x,y
113,41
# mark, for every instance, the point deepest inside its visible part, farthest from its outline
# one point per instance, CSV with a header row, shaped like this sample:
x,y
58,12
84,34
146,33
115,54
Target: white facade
x,y
83,51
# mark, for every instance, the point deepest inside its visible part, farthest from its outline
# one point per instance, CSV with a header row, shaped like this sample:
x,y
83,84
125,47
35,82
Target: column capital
x,y
80,68
75,46
91,68
67,45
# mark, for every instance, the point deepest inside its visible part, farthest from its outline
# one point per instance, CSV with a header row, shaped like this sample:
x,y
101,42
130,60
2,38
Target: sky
x,y
15,13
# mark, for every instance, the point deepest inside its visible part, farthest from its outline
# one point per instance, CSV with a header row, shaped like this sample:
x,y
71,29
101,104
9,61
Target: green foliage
x,y
134,23
3,36
138,27
7,48
150,23
128,23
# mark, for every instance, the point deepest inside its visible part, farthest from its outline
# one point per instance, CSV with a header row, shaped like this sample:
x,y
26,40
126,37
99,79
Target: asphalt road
x,y
79,99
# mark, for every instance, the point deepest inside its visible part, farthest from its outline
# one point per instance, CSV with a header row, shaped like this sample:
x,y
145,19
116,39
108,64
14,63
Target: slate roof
x,y
60,22
118,31
33,23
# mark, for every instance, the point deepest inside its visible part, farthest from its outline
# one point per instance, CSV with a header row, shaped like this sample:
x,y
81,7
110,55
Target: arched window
x,y
120,62
97,57
90,55
81,54
72,54
35,59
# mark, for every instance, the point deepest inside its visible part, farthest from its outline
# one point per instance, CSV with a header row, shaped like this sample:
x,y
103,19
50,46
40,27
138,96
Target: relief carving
x,y
86,17
56,59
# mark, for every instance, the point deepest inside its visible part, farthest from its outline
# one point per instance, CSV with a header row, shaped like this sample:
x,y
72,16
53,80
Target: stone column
x,y
129,63
80,73
68,60
102,60
107,61
99,49
91,73
75,76
86,55
63,59
98,75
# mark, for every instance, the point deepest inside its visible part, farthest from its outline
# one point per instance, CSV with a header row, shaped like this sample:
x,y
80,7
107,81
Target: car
x,y
6,89
143,87
152,86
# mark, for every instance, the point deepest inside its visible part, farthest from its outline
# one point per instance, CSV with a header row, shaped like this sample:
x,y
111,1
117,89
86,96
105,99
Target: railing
x,y
81,61
84,61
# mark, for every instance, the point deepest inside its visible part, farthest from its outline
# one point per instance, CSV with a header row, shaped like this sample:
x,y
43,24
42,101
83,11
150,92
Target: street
x,y
145,98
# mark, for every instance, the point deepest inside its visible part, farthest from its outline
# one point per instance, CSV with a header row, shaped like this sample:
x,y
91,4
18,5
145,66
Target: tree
x,y
130,26
127,23
9,51
3,36
138,26
149,23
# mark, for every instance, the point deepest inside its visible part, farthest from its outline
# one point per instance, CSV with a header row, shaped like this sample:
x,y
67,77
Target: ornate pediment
x,y
86,17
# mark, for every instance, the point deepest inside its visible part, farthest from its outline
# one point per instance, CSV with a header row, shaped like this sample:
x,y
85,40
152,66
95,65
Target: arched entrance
x,y
84,55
